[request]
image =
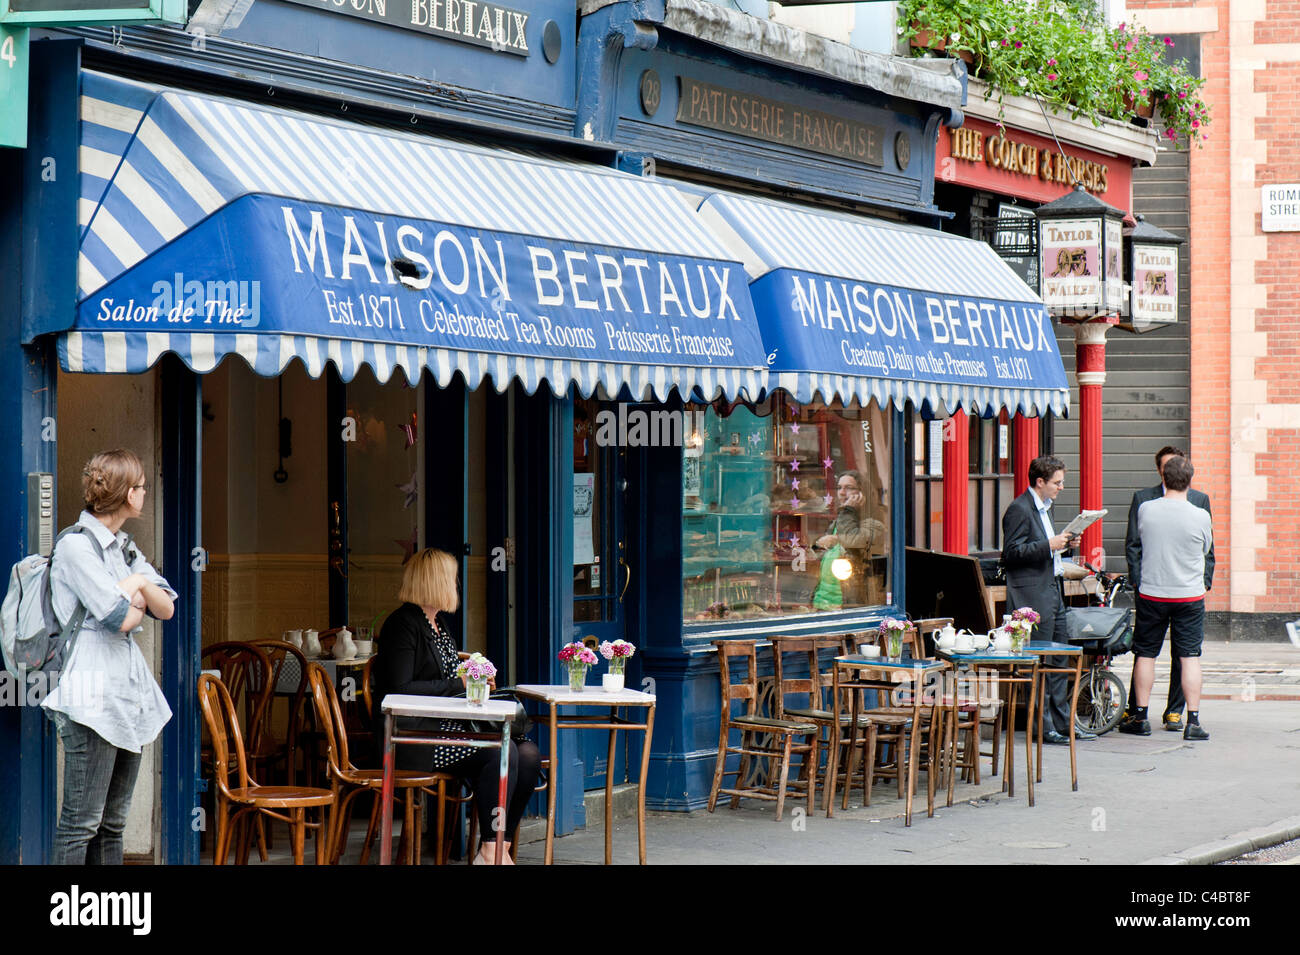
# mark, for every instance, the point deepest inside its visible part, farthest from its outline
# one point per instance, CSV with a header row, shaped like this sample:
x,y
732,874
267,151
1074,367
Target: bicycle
x,y
1102,694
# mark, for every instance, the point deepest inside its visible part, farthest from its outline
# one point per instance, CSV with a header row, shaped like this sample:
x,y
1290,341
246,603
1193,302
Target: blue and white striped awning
x,y
269,354
328,242
859,309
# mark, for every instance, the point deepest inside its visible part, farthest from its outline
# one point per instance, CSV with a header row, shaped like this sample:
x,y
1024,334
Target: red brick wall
x,y
1211,397
1281,22
1211,430
1280,319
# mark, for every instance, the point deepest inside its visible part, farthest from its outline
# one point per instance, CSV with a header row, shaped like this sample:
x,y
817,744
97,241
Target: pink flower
x,y
1018,44
1052,61
1121,27
1128,47
1013,28
1182,94
1004,43
1196,124
1051,77
1139,75
1169,41
1169,133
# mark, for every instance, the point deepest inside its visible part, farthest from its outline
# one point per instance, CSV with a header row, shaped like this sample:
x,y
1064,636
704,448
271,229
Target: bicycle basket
x,y
1111,627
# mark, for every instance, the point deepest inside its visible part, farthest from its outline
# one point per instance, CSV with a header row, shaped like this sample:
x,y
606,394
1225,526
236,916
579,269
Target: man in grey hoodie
x,y
1176,539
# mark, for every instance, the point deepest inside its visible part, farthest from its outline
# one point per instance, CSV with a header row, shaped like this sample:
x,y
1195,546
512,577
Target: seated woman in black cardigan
x,y
416,656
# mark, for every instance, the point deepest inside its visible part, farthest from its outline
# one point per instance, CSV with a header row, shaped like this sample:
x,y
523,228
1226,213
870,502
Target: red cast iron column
x,y
1090,370
956,481
1024,448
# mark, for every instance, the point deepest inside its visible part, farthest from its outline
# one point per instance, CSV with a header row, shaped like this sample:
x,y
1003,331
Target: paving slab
x,y
1140,799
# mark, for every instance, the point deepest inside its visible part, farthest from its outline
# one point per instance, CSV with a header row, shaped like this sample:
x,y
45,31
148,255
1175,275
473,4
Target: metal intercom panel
x,y
40,513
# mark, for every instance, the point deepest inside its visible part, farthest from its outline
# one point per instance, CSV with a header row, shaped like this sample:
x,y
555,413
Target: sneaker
x,y
1195,731
1135,727
1173,722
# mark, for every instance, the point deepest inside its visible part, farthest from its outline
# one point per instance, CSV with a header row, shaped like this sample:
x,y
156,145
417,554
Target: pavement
x,y
1153,800
1156,799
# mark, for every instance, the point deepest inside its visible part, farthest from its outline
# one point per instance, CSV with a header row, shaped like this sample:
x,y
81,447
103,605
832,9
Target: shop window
x,y
785,509
596,466
926,438
991,485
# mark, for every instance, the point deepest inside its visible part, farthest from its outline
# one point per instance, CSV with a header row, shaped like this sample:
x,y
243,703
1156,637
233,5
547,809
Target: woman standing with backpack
x,y
107,706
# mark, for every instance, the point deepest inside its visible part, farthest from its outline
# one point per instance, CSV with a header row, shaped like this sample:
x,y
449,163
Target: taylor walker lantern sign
x,y
1080,241
1153,273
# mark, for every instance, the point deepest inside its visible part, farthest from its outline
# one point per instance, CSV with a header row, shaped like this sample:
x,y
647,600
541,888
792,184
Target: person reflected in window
x,y
852,536
417,656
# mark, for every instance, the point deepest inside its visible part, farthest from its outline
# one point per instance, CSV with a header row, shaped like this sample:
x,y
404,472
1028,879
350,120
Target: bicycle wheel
x,y
1101,702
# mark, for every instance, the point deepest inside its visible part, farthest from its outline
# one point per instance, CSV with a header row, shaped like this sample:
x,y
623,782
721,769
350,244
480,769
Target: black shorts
x,y
1185,621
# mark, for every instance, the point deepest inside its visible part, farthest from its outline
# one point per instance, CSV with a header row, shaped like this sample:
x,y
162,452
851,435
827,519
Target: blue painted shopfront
x,y
715,117
629,87
291,57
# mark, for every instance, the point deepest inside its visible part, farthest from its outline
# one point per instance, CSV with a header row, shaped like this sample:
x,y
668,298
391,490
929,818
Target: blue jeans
x,y
98,779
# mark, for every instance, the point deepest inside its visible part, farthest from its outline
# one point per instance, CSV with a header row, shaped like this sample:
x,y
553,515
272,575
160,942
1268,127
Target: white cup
x,y
869,650
365,647
294,637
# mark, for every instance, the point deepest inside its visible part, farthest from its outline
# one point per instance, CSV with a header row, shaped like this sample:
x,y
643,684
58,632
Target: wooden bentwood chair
x,y
782,733
247,798
815,687
347,782
288,667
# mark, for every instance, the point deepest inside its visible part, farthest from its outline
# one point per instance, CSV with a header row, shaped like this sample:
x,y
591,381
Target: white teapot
x,y
311,643
946,638
964,642
1002,640
344,648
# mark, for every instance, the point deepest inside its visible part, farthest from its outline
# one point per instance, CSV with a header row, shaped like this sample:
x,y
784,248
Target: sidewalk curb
x,y
1229,847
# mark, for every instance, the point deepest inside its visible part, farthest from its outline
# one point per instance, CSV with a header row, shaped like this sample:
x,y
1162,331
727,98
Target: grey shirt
x,y
1176,535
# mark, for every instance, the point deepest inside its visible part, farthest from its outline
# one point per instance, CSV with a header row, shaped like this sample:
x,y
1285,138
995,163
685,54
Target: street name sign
x,y
1279,208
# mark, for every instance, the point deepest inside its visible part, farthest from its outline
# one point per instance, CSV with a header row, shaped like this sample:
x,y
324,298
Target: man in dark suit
x,y
1032,553
1173,718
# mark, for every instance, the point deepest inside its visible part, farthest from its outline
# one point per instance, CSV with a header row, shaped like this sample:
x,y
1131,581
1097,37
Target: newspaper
x,y
1083,522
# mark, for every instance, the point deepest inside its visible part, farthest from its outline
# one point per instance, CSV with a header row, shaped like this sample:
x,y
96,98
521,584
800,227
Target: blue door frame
x,y
544,559
183,562
38,254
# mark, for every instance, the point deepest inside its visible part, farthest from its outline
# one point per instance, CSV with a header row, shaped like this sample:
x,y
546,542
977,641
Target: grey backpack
x,y
30,636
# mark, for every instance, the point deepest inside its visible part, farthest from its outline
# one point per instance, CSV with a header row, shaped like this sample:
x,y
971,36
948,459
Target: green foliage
x,y
1062,52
